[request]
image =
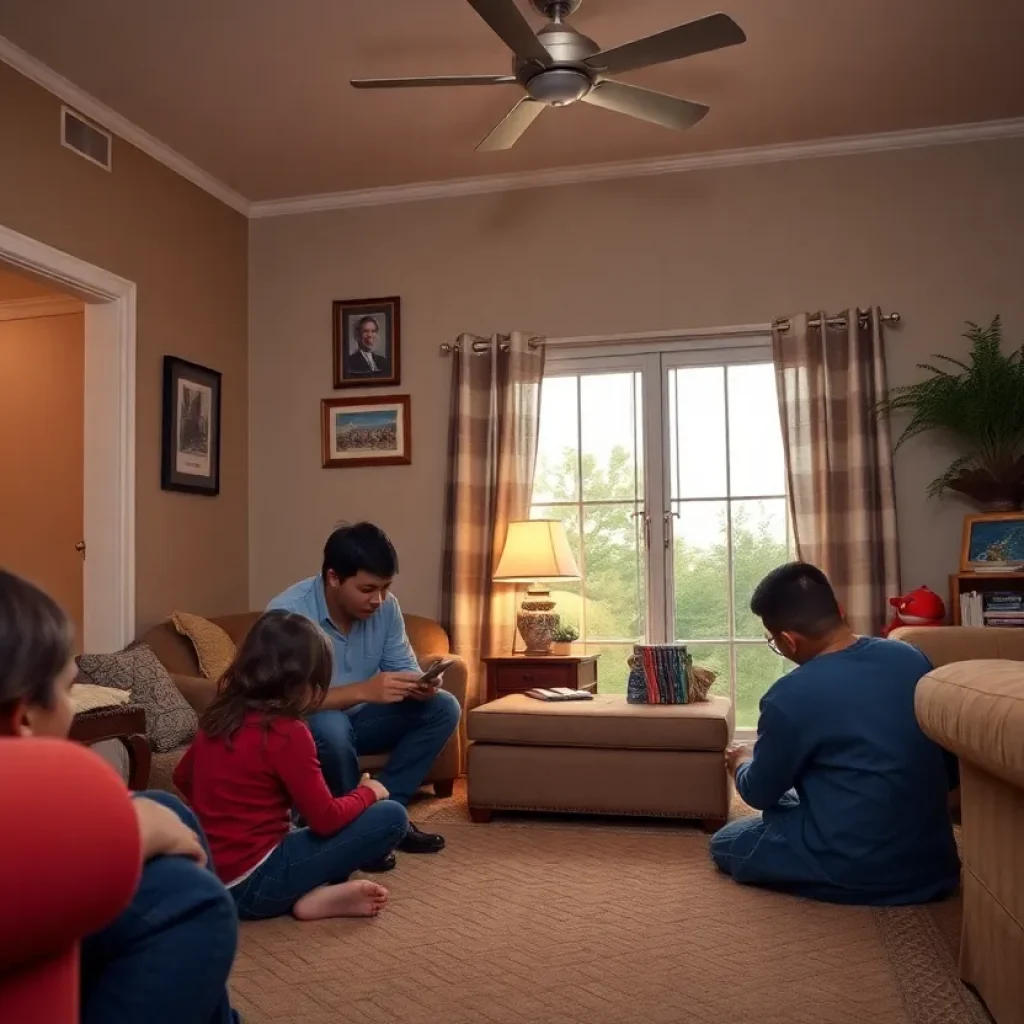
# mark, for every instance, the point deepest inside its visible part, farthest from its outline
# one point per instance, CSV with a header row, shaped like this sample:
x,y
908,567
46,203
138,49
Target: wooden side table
x,y
127,724
516,673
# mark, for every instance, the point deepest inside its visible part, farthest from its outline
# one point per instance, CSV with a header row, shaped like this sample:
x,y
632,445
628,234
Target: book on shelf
x,y
971,613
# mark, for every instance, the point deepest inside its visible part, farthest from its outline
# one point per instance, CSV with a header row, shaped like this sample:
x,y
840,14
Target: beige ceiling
x,y
256,93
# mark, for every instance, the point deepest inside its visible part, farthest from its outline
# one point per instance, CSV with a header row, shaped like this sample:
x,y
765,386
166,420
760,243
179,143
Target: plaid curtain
x,y
492,449
839,457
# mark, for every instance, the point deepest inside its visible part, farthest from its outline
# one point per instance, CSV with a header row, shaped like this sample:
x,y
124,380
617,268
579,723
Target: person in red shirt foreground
x,y
166,957
254,760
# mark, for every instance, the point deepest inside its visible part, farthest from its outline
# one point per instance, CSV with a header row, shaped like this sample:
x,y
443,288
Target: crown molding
x,y
36,71
918,138
43,305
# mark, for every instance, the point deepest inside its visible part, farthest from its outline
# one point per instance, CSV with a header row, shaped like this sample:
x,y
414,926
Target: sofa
x,y
178,656
972,703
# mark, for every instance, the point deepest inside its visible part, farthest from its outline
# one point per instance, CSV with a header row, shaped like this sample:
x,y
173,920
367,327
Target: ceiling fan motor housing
x,y
568,79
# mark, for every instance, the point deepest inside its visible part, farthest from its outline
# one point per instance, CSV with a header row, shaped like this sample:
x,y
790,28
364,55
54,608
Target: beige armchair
x,y
973,705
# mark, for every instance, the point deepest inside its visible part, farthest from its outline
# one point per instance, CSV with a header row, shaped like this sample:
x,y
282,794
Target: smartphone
x,y
435,670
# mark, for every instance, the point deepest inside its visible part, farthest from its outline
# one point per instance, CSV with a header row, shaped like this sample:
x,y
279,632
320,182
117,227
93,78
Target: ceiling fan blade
x,y
647,105
506,21
413,83
506,134
714,32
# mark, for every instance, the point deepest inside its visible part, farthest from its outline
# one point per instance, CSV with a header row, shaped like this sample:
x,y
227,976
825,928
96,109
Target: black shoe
x,y
377,867
416,841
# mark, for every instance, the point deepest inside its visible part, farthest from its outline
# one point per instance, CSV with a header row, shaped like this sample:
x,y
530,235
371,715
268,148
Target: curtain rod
x,y
484,344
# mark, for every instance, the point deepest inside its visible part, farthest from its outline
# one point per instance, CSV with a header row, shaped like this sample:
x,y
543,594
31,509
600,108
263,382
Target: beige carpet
x,y
587,923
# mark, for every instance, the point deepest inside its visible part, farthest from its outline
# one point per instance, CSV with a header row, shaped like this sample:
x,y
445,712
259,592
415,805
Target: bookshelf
x,y
984,583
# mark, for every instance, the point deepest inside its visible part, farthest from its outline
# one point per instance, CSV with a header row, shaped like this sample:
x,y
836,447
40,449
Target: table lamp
x,y
536,552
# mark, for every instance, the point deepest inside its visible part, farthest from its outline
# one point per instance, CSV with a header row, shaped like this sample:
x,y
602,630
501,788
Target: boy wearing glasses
x,y
853,794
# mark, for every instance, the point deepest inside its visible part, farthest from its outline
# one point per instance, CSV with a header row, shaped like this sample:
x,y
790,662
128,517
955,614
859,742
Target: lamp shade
x,y
536,550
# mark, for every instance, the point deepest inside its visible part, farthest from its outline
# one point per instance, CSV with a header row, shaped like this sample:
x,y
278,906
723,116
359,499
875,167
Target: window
x,y
667,470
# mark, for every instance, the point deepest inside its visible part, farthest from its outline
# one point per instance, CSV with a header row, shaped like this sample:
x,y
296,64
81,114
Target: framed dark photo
x,y
367,343
366,431
190,456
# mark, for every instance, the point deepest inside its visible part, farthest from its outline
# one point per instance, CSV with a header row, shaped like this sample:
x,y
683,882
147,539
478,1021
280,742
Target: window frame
x,y
654,359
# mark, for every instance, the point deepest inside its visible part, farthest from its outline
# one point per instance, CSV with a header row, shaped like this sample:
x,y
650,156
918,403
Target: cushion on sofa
x,y
170,720
215,650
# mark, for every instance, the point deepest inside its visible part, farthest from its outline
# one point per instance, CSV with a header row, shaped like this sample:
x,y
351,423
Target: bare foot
x,y
360,898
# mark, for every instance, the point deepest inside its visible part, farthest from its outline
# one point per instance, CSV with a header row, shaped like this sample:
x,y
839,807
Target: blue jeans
x,y
303,861
413,732
755,852
166,958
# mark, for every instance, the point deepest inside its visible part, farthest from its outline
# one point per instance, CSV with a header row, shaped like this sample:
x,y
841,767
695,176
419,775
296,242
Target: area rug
x,y
588,922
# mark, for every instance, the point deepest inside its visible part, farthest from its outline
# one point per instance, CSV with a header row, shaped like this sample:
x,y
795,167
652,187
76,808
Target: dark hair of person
x,y
283,670
36,643
360,547
366,320
797,598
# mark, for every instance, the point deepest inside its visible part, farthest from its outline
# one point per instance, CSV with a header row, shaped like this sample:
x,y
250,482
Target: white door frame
x,y
109,470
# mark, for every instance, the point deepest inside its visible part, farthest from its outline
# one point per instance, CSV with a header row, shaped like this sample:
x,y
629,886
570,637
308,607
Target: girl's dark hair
x,y
36,642
283,669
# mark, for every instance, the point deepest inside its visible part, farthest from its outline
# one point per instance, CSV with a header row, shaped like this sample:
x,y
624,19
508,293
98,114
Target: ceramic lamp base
x,y
537,620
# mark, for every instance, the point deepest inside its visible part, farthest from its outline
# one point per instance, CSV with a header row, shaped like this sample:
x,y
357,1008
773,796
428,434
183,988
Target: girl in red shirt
x,y
254,760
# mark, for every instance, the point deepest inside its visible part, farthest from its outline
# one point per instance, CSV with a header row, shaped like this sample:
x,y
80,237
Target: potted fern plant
x,y
980,405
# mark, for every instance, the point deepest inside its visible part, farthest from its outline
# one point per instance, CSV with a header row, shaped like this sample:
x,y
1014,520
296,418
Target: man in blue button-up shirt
x,y
376,704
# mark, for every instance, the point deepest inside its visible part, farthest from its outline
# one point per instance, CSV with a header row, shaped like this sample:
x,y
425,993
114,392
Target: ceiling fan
x,y
558,66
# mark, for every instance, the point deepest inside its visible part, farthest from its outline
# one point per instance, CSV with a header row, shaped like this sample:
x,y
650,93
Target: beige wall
x,y
935,234
187,254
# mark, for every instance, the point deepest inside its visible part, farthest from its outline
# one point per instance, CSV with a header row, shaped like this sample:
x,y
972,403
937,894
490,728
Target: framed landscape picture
x,y
992,541
190,456
367,343
366,431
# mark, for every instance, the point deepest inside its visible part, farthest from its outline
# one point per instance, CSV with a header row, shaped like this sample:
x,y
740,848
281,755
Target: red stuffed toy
x,y
921,607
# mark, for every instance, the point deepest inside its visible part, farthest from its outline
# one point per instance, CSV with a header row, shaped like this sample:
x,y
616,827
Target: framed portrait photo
x,y
367,343
366,431
190,455
992,541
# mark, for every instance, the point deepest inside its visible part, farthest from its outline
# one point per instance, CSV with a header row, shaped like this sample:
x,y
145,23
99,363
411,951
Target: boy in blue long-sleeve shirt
x,y
853,795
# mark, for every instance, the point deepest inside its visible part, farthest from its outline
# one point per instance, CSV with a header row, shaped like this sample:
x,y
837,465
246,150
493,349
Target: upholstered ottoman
x,y
600,757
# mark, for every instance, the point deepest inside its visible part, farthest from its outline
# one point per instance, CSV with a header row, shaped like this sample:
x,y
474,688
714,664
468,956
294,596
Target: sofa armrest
x,y
975,709
199,692
944,645
68,802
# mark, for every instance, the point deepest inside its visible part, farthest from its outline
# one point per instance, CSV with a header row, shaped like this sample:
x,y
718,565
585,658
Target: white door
x,y
667,469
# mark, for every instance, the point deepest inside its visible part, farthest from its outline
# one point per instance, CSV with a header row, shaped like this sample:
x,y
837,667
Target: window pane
x,y
716,658
756,462
612,670
701,571
757,667
565,593
697,430
608,416
612,569
758,546
557,474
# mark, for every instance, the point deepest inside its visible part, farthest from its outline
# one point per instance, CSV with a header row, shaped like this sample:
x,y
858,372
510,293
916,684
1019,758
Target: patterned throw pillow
x,y
215,650
170,720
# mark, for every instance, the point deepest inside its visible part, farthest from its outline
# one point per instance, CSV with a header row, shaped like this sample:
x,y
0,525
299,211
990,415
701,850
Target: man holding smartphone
x,y
380,700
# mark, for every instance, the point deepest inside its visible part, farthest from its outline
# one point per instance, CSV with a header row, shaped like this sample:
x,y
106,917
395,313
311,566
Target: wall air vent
x,y
85,138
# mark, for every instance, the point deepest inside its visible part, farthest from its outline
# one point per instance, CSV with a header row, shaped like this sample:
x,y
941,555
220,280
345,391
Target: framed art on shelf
x,y
367,343
992,542
190,453
366,431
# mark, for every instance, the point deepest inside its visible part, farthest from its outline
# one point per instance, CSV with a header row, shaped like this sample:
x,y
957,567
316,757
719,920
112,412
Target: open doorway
x,y
105,306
